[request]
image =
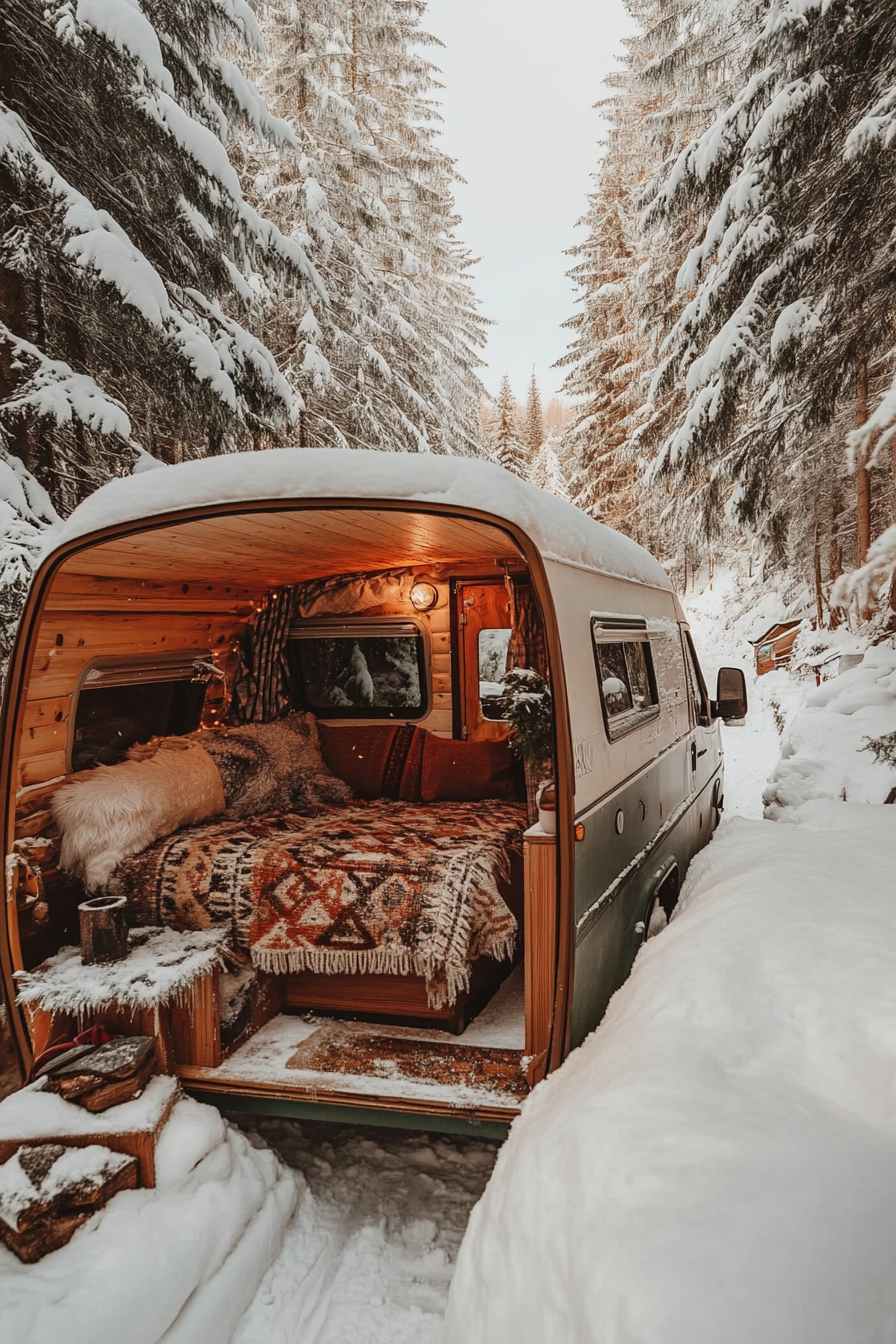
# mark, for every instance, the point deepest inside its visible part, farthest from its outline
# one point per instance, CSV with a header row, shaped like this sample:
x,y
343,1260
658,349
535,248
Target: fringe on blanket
x,y
444,980
443,983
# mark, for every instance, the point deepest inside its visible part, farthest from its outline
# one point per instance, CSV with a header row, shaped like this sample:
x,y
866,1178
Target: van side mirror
x,y
730,703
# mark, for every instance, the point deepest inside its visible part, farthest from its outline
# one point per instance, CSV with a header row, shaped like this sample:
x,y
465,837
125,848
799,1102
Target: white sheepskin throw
x,y
107,814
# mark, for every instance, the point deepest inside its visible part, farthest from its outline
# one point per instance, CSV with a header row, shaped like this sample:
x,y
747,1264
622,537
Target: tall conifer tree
x,y
789,321
533,421
128,255
391,361
504,439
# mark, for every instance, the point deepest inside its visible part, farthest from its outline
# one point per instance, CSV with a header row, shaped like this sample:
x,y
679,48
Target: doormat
x,y
402,1052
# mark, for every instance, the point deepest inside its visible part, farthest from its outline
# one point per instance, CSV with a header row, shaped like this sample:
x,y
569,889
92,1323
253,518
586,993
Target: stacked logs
x,y
48,1190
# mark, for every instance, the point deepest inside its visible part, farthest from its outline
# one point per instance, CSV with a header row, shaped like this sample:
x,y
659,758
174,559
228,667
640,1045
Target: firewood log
x,y
106,1076
48,1190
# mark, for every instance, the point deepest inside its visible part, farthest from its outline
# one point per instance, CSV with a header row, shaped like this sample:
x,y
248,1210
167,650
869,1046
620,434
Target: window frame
x,y
624,630
502,718
110,672
692,667
381,627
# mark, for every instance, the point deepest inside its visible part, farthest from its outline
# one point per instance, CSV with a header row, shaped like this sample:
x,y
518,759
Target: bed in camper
x,y
262,697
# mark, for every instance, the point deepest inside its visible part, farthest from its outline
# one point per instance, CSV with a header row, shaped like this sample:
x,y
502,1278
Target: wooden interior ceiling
x,y
270,549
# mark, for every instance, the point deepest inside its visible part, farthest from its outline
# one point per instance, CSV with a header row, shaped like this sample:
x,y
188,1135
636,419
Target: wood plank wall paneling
x,y
440,719
75,630
89,592
71,638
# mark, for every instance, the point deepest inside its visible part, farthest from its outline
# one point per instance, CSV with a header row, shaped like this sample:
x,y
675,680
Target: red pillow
x,y
377,761
465,772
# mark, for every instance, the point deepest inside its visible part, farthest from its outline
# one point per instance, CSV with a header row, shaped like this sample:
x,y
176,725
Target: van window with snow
x,y
492,649
625,679
375,671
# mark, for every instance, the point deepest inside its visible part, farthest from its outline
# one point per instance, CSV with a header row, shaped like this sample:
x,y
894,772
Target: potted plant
x,y
528,709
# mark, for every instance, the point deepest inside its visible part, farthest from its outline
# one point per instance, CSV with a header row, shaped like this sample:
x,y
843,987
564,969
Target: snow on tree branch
x,y
26,518
863,583
54,390
95,240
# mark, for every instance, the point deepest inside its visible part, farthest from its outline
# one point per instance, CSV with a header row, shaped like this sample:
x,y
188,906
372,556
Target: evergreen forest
x,y
226,227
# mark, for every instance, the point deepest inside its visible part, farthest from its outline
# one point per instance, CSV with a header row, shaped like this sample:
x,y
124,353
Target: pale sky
x,y
521,78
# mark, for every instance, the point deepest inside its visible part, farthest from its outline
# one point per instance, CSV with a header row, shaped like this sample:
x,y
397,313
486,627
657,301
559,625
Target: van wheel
x,y
718,803
667,892
655,920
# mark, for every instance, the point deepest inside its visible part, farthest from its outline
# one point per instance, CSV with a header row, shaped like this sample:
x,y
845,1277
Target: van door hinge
x,y
464,734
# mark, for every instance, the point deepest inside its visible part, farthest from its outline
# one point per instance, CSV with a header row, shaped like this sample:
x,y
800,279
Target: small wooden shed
x,y
775,647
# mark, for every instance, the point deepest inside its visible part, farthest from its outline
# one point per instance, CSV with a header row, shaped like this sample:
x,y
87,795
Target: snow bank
x,y
822,752
173,1265
718,1160
561,531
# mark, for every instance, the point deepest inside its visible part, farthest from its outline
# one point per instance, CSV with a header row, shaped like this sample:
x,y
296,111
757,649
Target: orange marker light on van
x,y
580,830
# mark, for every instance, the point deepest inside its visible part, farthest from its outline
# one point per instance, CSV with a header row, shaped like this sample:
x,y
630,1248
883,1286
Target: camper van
x,y
257,704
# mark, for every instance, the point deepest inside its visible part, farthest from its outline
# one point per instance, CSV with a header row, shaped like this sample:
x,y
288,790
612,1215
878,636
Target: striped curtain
x,y
527,646
261,686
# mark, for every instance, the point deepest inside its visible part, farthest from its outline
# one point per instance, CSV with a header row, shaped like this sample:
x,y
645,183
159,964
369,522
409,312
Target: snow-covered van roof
x,y
559,530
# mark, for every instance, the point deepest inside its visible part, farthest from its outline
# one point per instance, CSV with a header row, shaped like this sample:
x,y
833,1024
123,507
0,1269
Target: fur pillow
x,y
108,813
271,767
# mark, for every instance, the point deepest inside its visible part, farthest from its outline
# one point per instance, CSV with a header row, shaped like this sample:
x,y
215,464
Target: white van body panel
x,y
577,595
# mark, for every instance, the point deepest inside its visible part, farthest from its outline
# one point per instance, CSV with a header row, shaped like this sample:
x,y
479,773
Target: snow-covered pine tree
x,y
129,260
503,436
547,469
400,84
604,349
390,363
349,358
533,421
790,321
672,79
26,512
556,415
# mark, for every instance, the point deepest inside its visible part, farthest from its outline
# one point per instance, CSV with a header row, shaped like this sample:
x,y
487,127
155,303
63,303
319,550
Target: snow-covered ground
x,y
369,1255
717,1162
721,623
173,1265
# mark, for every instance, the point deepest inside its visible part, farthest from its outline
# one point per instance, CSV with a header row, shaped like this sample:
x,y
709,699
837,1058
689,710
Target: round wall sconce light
x,y
424,596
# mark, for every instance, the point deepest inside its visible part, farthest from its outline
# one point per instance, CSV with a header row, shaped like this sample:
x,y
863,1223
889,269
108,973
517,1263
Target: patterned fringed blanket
x,y
382,887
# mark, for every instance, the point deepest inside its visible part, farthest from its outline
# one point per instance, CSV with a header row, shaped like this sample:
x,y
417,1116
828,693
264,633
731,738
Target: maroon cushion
x,y
464,772
379,760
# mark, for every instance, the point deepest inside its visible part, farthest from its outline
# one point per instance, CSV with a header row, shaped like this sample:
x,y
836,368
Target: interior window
x,y
360,671
626,680
118,706
492,649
